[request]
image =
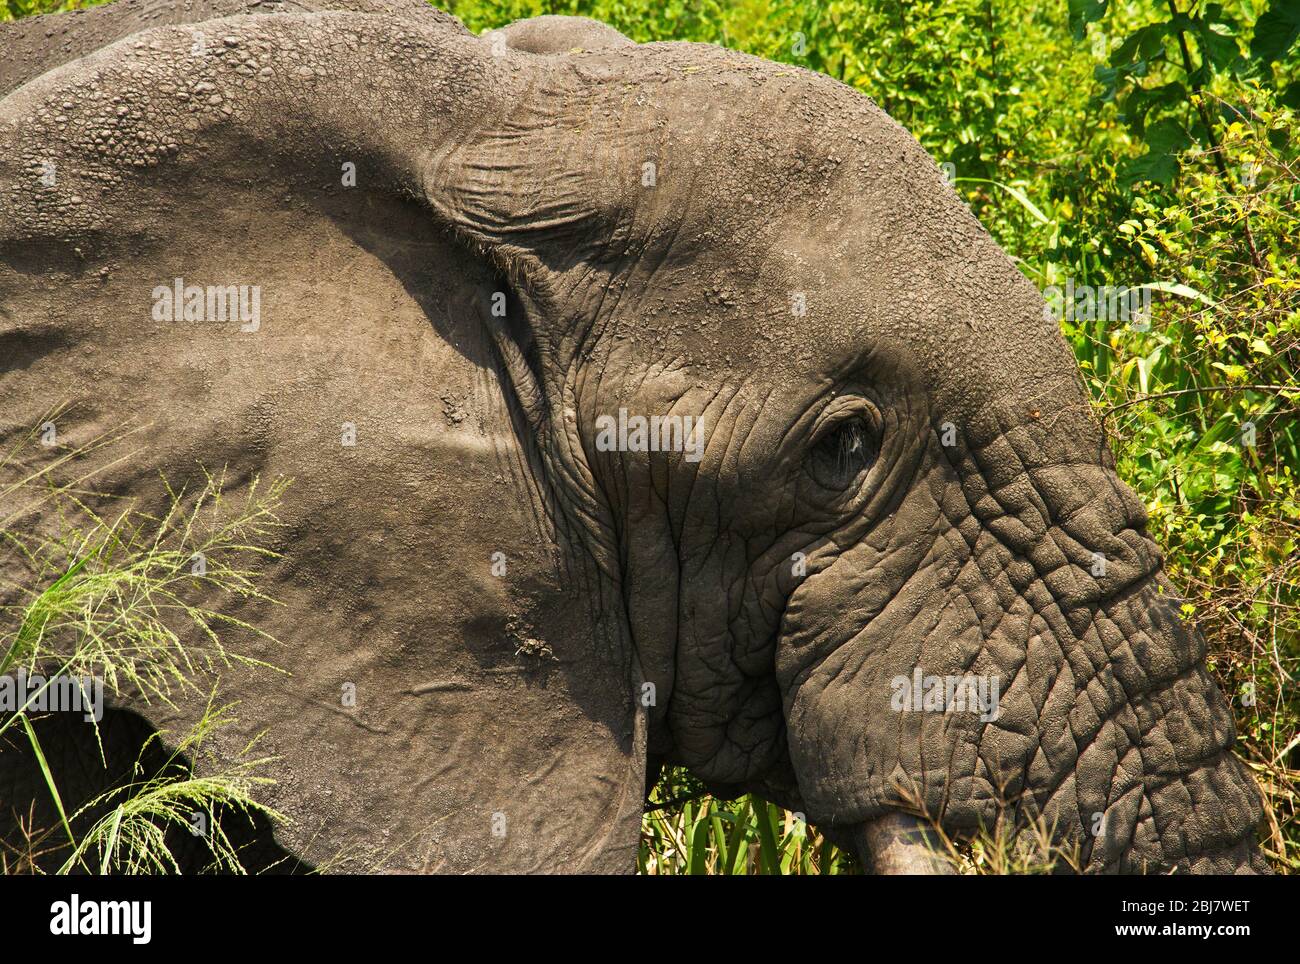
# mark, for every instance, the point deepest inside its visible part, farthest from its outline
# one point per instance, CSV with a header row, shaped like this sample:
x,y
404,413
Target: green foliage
x,y
13,9
686,831
132,835
1202,415
111,598
1161,73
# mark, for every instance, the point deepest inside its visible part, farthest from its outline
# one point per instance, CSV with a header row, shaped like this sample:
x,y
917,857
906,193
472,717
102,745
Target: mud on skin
x,y
899,470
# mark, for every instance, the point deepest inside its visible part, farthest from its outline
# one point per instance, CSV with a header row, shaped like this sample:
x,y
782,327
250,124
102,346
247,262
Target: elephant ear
x,y
34,45
457,686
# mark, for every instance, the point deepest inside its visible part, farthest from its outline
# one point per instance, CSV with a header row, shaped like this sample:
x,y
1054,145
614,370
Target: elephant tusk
x,y
895,843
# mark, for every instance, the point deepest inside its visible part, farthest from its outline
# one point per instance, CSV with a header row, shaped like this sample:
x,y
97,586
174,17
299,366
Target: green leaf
x,y
1165,141
1220,50
1109,78
1019,195
1276,30
1140,46
1139,104
49,778
765,817
1177,288
1084,12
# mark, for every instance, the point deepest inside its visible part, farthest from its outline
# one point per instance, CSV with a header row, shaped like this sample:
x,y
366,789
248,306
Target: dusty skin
x,y
900,471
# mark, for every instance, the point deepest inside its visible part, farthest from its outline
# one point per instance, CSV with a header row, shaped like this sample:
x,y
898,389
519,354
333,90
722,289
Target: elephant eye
x,y
843,454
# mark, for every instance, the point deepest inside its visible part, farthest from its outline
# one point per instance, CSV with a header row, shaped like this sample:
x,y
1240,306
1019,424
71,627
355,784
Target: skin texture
x,y
900,468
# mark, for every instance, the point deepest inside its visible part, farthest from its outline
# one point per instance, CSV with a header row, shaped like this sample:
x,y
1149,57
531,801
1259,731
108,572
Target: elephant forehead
x,y
783,222
922,281
867,303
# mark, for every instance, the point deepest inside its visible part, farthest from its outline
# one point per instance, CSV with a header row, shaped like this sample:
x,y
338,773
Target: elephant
x,y
644,404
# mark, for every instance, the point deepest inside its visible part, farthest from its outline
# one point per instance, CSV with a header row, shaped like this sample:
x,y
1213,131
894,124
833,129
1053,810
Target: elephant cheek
x,y
860,744
946,699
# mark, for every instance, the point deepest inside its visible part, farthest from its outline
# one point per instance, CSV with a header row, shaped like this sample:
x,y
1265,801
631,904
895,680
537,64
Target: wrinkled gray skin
x,y
826,542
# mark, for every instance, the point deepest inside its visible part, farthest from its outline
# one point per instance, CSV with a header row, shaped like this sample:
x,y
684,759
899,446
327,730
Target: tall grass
x,y
118,598
132,837
686,831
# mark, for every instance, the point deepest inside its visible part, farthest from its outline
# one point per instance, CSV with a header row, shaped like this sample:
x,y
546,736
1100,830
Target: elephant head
x,y
771,441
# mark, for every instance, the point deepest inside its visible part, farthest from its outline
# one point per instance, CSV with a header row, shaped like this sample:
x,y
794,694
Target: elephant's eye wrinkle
x,y
844,454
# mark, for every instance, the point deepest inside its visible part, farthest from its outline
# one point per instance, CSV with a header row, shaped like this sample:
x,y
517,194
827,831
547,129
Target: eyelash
x,y
844,453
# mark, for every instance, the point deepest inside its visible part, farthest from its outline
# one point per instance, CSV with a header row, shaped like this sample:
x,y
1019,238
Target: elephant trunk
x,y
898,844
